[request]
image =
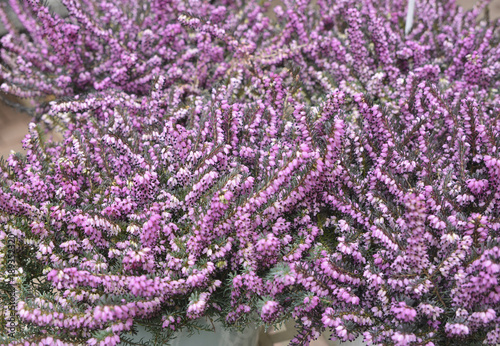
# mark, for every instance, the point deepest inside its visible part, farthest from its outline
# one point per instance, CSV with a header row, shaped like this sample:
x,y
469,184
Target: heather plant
x,y
124,45
334,170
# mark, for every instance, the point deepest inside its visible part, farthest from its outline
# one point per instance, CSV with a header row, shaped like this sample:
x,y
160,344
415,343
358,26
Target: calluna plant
x,y
248,164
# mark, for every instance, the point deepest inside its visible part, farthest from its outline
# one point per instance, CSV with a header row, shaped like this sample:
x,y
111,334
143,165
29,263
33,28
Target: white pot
x,y
221,336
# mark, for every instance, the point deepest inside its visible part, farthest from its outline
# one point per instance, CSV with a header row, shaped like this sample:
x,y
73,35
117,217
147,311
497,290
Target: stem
x,y
409,16
436,290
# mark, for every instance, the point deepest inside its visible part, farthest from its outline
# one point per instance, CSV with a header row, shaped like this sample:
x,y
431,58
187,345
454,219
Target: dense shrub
x,y
321,165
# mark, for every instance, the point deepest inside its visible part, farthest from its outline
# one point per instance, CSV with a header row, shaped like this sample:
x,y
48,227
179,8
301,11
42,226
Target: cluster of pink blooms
x,y
226,159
